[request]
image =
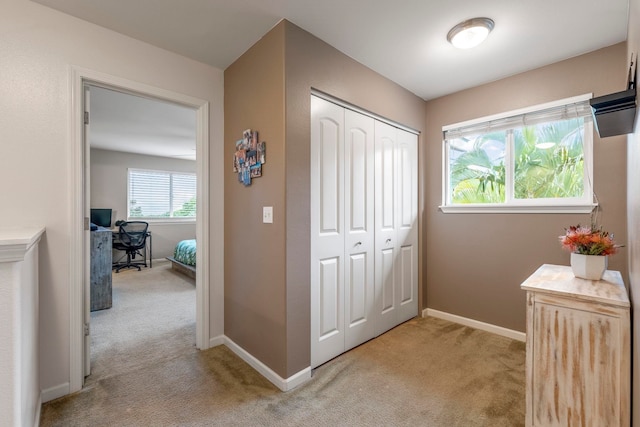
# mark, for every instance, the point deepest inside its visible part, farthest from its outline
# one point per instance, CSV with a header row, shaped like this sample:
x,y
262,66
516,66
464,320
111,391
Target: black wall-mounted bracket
x,y
615,114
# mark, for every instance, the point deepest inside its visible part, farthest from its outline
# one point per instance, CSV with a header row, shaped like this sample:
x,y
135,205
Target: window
x,y
533,160
161,195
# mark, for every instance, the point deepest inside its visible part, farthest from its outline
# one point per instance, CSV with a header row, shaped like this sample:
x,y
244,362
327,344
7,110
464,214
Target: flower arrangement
x,y
588,241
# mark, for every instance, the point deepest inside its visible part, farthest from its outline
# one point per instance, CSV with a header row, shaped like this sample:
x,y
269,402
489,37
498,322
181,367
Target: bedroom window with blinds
x,y
161,195
537,159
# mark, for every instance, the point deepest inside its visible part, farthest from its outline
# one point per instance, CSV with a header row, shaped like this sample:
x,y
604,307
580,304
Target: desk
x,y
148,248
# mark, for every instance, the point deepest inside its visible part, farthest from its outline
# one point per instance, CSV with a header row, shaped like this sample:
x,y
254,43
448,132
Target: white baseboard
x,y
283,384
216,341
498,330
55,392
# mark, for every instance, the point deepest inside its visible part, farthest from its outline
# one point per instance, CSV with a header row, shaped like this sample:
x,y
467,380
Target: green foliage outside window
x,y
188,209
548,162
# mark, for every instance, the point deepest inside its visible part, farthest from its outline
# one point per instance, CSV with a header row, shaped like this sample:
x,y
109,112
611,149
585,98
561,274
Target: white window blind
x,y
161,194
562,112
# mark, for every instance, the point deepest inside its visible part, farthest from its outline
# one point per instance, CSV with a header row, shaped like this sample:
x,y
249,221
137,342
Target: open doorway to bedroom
x,y
140,164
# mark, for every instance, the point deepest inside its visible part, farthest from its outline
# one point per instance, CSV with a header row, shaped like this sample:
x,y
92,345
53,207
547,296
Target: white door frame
x,y
80,77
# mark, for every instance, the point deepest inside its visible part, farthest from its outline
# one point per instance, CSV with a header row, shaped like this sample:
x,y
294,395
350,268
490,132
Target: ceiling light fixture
x,y
470,33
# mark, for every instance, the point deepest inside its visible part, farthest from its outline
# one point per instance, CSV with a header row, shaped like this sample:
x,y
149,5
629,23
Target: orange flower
x,y
588,241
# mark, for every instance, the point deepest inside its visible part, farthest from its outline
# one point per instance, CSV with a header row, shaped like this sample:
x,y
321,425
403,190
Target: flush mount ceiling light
x,y
470,33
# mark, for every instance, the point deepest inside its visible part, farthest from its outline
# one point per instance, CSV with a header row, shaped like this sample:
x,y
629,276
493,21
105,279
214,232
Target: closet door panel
x,y
329,176
407,175
357,290
357,181
329,297
359,240
385,229
407,225
406,274
327,231
386,191
387,295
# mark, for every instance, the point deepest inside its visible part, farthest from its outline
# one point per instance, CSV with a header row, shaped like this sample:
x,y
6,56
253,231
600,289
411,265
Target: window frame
x,y
584,204
160,220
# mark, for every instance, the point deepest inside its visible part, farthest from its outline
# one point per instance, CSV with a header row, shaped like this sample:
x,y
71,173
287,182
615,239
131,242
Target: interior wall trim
x,y
494,329
216,341
283,384
54,392
36,421
357,109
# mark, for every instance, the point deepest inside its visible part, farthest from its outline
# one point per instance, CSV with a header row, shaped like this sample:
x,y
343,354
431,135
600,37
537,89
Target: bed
x,y
184,258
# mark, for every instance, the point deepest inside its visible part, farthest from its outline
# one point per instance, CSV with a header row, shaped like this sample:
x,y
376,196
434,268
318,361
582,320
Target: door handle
x,y
357,244
388,241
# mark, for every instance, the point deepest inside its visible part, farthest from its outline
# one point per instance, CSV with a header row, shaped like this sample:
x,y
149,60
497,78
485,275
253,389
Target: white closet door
x,y
396,210
407,225
386,252
364,201
327,231
359,225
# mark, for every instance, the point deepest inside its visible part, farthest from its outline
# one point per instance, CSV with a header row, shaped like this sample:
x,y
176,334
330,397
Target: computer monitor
x,y
101,217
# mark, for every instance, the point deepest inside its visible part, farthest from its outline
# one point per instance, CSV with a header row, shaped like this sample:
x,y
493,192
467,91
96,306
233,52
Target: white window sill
x,y
555,209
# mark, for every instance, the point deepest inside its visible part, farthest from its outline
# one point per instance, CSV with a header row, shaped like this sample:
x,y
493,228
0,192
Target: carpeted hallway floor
x,y
152,318
425,372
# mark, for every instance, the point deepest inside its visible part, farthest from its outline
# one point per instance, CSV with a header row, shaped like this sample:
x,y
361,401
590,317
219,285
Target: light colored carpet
x,y
425,372
152,319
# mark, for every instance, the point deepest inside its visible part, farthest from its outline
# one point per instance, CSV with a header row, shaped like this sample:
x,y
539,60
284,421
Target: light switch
x,y
267,214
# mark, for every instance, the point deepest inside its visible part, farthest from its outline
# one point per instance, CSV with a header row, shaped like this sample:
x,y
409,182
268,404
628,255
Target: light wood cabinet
x,y
578,349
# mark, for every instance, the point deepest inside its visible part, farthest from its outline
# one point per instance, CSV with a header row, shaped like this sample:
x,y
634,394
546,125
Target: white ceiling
x,y
404,40
133,124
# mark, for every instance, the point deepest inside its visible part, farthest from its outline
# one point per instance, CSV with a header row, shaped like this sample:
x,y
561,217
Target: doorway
x,y
79,299
140,165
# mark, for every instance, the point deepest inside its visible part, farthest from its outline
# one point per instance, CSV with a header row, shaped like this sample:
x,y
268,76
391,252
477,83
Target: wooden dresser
x,y
578,349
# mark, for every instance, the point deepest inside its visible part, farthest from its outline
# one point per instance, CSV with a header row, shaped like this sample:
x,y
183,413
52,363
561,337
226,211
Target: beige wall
x,y
476,262
38,47
254,296
109,181
267,276
633,217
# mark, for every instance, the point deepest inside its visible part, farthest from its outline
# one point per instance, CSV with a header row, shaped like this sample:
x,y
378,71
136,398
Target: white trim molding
x,y
55,392
16,242
510,208
216,341
362,111
38,411
476,324
283,384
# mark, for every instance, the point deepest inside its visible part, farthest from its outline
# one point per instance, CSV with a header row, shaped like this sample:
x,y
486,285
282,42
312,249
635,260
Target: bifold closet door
x,y
363,228
327,231
359,237
396,237
342,230
407,225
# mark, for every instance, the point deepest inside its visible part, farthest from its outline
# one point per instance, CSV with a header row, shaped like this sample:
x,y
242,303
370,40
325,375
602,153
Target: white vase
x,y
590,267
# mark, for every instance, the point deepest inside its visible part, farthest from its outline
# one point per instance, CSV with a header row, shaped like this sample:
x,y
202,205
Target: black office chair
x,y
132,237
